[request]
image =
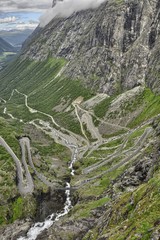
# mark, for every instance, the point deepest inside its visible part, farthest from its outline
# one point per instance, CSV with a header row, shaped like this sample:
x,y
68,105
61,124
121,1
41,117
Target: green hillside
x,y
80,126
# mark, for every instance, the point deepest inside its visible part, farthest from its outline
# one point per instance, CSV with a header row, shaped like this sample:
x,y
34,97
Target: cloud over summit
x,y
66,7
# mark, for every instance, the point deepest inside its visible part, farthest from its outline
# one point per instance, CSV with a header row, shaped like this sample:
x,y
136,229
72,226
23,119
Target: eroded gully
x,y
71,142
39,227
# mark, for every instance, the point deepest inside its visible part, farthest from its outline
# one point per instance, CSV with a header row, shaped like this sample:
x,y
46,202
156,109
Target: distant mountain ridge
x,y
7,52
15,37
81,91
6,47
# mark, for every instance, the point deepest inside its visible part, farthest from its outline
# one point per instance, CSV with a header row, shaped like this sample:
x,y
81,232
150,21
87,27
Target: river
x,y
39,227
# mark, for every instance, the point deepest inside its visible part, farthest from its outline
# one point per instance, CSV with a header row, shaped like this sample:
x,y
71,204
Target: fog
x,y
66,7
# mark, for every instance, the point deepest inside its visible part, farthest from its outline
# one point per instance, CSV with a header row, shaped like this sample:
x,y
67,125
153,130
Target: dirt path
x,y
80,122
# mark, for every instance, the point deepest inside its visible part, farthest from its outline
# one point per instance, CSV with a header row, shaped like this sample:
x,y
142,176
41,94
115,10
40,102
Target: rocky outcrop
x,y
112,48
68,230
15,230
49,202
136,175
129,194
55,2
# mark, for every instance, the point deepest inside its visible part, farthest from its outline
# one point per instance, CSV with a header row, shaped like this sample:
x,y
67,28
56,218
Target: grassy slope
x,y
151,109
12,205
30,78
134,215
128,221
147,99
10,209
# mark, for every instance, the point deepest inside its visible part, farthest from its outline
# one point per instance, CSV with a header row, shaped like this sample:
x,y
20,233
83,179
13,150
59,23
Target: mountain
x,y
7,52
5,46
15,37
111,48
55,2
80,127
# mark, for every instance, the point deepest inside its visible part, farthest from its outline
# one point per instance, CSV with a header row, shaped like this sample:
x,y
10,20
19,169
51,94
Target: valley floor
x,y
114,169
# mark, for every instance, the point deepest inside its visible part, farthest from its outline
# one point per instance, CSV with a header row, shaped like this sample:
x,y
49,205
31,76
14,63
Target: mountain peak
x,y
104,45
78,101
55,2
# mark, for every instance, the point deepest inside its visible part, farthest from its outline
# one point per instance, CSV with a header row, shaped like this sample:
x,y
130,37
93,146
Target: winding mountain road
x,y
25,185
25,142
77,144
24,188
134,154
118,152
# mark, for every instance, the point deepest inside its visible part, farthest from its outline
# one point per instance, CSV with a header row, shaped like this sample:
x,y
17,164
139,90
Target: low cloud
x,y
24,26
66,7
8,19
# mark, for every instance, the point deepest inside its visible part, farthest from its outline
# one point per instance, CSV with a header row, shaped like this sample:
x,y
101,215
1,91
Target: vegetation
x,y
151,107
83,210
40,81
134,212
23,207
101,108
136,218
44,87
12,206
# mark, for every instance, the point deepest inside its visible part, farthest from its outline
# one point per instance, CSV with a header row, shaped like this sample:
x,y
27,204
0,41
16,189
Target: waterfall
x,y
39,227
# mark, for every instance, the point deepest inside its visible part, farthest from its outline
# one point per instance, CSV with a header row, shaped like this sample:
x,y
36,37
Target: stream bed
x,y
39,227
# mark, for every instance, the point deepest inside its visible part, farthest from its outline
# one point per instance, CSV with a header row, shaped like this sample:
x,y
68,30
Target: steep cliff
x,y
85,91
111,48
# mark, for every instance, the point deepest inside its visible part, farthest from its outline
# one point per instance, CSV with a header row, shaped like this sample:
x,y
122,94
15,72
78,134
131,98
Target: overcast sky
x,y
22,14
26,14
24,5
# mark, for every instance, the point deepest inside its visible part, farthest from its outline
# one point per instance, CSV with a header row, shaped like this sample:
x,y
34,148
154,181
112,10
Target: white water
x,y
74,158
41,226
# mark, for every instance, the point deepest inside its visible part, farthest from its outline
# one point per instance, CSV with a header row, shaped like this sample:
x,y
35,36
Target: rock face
x,y
55,2
70,229
49,202
112,48
16,230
